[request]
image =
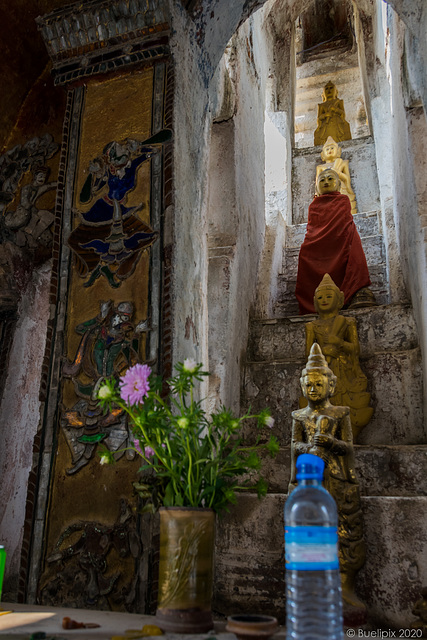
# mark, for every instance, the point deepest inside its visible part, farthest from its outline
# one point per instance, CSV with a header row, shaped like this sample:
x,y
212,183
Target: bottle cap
x,y
309,466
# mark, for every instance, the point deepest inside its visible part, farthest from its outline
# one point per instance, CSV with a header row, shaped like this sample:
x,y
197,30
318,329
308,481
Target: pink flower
x,y
137,447
134,385
269,422
149,452
189,365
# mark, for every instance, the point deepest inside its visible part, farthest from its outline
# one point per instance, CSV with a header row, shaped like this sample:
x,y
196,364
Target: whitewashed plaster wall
x,y
199,217
409,181
395,79
197,49
191,133
236,220
20,415
374,58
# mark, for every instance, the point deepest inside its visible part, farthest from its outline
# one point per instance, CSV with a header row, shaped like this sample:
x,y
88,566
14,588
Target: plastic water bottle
x,y
313,585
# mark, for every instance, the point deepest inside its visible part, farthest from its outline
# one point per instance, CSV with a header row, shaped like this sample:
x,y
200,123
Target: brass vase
x,y
187,539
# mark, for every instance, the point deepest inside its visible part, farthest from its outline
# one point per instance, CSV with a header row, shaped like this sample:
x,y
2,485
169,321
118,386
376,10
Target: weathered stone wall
x,y
409,179
19,417
393,78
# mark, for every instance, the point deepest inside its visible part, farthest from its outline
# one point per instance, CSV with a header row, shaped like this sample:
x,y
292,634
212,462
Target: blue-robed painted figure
x,y
110,238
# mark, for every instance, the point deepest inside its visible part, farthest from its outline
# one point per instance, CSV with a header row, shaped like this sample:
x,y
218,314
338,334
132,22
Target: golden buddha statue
x,y
331,117
338,339
325,430
331,156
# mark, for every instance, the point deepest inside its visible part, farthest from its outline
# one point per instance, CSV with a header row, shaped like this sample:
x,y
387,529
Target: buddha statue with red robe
x,y
332,245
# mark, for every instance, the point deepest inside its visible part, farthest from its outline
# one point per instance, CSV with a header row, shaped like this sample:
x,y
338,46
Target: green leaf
x,y
273,446
168,499
253,461
261,488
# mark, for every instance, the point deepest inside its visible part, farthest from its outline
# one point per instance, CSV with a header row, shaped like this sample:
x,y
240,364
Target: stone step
x,y
382,329
389,356
286,304
366,223
249,557
394,382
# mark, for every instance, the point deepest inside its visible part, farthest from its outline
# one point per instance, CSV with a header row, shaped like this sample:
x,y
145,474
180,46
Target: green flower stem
x,y
197,459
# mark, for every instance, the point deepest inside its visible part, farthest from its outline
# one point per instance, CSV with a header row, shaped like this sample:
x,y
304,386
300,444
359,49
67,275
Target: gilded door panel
x,y
92,555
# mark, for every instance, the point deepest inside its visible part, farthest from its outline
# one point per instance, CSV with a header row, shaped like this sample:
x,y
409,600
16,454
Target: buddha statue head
x,y
331,150
317,380
327,181
328,299
330,92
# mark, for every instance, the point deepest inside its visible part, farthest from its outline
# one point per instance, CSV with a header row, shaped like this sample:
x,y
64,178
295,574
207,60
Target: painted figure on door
x,y
24,177
87,562
111,237
109,345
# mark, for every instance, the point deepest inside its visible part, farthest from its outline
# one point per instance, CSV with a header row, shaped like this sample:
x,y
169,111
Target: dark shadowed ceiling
x,y
23,56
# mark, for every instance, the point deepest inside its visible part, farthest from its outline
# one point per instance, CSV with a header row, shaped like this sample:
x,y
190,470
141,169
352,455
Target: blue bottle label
x,y
311,548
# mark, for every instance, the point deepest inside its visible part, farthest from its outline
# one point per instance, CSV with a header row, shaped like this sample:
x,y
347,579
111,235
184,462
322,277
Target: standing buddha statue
x,y
331,156
338,339
325,431
331,117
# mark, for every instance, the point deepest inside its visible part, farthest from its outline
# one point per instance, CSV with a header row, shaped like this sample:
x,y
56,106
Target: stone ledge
x,y
395,531
394,381
382,329
382,470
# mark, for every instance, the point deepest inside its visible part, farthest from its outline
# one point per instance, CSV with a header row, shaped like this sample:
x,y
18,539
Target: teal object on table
x,y
2,566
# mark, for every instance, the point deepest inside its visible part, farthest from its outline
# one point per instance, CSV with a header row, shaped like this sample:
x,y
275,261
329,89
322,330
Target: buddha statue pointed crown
x,y
317,363
328,283
328,142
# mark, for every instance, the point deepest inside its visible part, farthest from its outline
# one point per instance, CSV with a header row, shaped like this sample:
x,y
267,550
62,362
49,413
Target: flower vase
x,y
187,540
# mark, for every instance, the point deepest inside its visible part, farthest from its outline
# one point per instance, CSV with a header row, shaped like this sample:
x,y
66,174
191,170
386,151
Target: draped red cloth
x,y
331,245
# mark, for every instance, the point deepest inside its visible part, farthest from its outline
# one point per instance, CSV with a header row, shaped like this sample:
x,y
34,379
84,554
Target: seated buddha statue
x,y
331,156
338,339
332,245
331,117
325,430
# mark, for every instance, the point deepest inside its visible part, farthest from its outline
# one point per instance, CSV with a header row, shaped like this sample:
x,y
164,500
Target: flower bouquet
x,y
198,461
197,464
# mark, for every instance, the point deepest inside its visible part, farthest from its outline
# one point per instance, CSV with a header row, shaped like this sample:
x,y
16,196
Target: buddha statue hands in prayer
x,y
332,245
325,430
331,156
338,339
331,117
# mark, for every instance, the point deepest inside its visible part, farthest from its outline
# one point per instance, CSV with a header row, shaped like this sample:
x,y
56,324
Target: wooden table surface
x,y
26,619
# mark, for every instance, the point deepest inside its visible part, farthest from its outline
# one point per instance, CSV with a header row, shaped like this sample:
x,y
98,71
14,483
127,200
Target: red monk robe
x,y
331,245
